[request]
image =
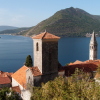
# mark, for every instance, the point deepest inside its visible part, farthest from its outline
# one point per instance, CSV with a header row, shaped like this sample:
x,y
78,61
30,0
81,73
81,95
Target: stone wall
x,y
46,59
38,80
38,53
29,77
50,57
47,77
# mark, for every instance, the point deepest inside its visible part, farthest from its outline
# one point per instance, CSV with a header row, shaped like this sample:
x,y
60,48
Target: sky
x,y
28,13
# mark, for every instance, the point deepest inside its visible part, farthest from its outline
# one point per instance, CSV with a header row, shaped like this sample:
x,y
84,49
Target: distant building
x,y
93,48
88,35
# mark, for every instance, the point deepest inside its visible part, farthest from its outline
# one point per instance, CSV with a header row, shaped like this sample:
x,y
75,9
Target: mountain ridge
x,y
5,27
68,22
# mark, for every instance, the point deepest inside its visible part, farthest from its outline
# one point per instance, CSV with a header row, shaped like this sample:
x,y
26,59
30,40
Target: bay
x,y
15,49
13,52
75,48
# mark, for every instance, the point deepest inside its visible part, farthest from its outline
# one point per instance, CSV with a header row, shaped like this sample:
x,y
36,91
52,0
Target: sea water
x,y
15,49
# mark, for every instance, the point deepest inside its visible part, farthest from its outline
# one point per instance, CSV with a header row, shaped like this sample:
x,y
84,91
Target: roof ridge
x,y
44,35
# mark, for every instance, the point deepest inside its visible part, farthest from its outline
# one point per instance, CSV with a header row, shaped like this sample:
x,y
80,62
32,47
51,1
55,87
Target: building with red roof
x,y
45,64
5,82
5,79
24,76
89,66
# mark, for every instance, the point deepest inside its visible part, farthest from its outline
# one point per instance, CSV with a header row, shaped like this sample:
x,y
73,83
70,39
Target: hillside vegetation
x,y
68,22
17,31
77,87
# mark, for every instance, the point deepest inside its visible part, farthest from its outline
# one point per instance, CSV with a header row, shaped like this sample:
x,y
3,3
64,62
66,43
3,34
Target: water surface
x,y
15,49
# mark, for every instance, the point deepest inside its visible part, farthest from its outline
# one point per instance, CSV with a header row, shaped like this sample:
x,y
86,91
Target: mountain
x,y
68,22
2,28
18,31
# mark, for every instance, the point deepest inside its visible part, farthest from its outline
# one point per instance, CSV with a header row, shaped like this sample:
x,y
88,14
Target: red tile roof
x,y
46,35
20,76
5,74
35,71
97,62
76,62
5,77
5,80
86,67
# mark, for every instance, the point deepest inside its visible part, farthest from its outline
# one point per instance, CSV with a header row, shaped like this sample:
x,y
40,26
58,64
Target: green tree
x,y
7,94
77,87
29,62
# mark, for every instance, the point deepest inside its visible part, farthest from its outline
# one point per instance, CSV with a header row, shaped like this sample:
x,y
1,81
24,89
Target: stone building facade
x,y
46,55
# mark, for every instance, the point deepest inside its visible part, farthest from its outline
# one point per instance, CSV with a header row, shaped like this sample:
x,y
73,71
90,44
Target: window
x,y
37,46
91,47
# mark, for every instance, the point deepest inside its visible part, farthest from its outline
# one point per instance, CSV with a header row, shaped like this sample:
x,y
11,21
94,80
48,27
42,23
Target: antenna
x,y
45,31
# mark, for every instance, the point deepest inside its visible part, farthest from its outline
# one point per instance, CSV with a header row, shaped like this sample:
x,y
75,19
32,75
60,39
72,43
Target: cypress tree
x,y
28,62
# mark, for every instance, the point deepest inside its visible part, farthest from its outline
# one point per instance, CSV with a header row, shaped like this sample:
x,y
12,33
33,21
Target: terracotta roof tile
x,y
35,71
88,67
97,62
5,74
20,76
46,35
5,80
76,62
16,89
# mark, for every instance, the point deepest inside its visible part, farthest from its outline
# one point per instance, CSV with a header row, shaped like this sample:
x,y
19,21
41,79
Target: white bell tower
x,y
93,48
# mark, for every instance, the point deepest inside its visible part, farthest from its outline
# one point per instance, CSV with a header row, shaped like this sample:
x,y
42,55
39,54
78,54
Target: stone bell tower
x,y
46,53
93,48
